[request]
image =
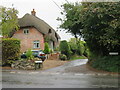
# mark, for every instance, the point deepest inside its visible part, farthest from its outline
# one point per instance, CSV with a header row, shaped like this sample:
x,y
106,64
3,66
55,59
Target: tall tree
x,y
9,20
98,23
71,23
102,26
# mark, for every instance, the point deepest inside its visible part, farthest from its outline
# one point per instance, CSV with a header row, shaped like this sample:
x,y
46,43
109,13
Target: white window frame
x,y
36,44
26,31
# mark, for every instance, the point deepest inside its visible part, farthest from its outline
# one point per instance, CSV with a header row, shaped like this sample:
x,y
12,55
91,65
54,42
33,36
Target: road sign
x,y
113,53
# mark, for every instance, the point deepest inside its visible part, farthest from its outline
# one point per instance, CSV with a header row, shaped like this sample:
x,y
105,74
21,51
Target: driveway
x,y
59,77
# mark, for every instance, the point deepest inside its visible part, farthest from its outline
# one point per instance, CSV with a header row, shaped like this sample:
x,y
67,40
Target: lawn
x,y
74,57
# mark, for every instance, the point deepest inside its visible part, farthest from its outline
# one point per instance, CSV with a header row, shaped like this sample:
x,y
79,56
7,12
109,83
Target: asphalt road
x,y
57,78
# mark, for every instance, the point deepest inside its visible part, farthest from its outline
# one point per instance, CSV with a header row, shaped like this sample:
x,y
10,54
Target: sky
x,y
46,10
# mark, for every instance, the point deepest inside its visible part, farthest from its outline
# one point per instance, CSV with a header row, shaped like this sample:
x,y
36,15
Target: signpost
x,y
38,64
113,53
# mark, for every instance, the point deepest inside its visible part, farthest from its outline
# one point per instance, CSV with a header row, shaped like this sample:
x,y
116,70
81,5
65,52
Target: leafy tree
x,y
77,46
71,22
65,49
73,45
80,48
101,26
98,23
9,20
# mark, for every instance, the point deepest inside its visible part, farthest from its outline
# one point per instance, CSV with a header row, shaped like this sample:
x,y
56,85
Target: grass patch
x,y
74,57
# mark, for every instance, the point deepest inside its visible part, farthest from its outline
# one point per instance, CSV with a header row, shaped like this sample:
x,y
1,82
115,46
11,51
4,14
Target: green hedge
x,y
107,63
10,49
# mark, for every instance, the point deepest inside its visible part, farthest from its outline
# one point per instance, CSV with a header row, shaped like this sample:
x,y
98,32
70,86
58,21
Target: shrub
x,y
65,49
77,46
51,51
107,63
87,51
46,50
29,55
10,50
73,45
56,49
63,57
80,48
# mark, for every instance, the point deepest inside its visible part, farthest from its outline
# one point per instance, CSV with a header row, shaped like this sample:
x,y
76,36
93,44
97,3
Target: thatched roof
x,y
33,21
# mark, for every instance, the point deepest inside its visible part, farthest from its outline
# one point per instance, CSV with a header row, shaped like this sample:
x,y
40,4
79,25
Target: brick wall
x,y
53,56
27,39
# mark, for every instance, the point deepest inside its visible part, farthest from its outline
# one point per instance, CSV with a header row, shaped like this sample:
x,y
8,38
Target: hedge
x,y
10,49
106,63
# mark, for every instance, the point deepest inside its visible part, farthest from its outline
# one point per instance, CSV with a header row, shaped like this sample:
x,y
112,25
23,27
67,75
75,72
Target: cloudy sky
x,y
47,10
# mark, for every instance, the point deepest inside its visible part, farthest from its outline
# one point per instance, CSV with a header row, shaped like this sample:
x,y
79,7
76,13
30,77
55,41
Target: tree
x,y
71,22
9,20
98,23
101,26
77,46
65,49
73,45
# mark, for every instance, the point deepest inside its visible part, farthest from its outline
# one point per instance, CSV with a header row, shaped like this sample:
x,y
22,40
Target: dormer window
x,y
50,31
25,31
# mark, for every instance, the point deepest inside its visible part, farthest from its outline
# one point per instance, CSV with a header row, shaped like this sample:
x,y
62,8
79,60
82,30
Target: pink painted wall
x,y
27,39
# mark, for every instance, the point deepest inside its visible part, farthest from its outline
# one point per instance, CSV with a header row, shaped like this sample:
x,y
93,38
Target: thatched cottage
x,y
34,32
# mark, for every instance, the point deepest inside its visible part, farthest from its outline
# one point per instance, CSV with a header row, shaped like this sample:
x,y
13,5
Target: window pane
x,y
26,31
36,44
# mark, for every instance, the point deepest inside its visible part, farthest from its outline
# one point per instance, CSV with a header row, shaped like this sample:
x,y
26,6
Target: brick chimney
x,y
33,12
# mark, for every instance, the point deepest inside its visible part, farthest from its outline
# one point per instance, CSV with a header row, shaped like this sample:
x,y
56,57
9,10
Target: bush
x,y
73,45
63,57
86,51
77,46
56,49
46,50
65,49
29,55
51,51
10,50
80,48
107,63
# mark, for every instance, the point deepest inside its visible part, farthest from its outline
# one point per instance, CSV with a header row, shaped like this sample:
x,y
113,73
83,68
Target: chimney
x,y
33,12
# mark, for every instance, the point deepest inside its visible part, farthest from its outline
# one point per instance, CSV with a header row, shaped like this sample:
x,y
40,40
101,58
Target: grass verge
x,y
74,57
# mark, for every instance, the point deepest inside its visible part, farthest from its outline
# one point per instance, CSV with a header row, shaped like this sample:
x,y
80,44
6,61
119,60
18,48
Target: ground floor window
x,y
36,44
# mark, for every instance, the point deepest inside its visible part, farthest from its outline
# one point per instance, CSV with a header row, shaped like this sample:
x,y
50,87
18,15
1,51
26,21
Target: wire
x,y
57,5
67,1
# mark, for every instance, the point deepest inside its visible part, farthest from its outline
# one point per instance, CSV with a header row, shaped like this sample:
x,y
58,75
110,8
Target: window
x,y
25,31
50,31
36,44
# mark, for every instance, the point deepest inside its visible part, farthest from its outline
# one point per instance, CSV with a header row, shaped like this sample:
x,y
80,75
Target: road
x,y
57,78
